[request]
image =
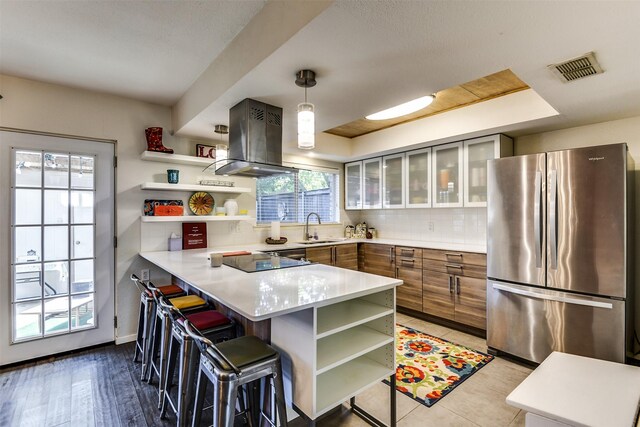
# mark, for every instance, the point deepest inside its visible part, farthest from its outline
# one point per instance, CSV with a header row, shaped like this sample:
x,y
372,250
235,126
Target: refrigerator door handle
x,y
539,295
553,219
537,218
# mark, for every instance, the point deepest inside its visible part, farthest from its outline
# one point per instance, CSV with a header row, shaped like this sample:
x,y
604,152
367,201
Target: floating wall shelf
x,y
193,187
196,218
180,159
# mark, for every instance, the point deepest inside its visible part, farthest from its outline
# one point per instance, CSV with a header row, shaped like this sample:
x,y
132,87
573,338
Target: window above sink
x,y
290,198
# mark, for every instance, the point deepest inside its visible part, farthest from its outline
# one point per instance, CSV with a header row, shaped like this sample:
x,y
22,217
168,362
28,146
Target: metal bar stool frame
x,y
181,349
227,379
145,318
161,335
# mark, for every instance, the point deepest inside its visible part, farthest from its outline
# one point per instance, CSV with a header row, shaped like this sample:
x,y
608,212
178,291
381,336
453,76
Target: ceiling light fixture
x,y
306,115
403,109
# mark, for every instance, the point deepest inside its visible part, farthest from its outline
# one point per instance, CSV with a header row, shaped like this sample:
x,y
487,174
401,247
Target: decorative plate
x,y
201,203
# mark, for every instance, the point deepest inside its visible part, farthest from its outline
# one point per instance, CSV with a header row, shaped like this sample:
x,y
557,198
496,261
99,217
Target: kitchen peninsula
x,y
334,327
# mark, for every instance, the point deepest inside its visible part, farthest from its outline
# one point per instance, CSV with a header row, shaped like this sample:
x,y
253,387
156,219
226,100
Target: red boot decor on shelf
x,y
154,140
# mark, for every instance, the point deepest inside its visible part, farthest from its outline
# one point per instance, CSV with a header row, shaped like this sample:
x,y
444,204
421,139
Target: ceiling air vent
x,y
577,68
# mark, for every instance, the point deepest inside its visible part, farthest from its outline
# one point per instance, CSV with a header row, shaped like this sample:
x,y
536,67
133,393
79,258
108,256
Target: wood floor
x,y
98,387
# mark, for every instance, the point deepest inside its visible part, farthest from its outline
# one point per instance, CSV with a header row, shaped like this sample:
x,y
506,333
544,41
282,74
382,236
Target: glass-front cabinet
x,y
476,153
353,186
393,181
418,178
443,176
447,175
372,183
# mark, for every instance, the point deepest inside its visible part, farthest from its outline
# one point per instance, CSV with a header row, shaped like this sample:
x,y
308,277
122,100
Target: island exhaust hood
x,y
255,141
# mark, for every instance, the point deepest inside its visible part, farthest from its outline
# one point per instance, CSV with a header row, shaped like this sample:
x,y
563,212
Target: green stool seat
x,y
244,351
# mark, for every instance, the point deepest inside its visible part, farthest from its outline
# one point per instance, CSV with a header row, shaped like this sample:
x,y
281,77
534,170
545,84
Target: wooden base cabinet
x,y
343,256
379,259
409,270
454,286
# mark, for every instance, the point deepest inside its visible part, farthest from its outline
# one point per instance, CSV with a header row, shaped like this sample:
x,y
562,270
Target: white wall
x,y
51,108
44,107
625,130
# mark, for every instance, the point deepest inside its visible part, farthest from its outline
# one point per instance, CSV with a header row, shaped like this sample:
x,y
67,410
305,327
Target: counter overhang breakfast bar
x,y
333,327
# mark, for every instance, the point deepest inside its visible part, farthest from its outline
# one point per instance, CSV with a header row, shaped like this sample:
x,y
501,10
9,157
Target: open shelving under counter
x,y
193,187
196,218
332,353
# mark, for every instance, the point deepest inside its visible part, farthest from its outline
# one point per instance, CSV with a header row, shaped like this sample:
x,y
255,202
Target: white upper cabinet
x,y
353,186
372,183
476,153
443,176
447,175
393,181
418,178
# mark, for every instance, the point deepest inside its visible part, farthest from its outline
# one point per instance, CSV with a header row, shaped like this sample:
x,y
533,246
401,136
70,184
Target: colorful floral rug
x,y
428,368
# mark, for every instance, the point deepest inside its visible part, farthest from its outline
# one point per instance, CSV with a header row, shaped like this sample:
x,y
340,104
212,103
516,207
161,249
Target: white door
x,y
56,245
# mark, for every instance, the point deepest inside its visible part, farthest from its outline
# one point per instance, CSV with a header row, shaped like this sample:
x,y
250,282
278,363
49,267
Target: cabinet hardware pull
x,y
458,266
391,255
450,284
451,254
408,260
458,285
407,251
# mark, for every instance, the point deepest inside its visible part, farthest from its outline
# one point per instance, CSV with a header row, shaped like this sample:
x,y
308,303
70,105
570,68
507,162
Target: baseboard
x,y
125,339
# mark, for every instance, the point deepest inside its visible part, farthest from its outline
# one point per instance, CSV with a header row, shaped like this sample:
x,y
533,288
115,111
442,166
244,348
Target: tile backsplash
x,y
454,225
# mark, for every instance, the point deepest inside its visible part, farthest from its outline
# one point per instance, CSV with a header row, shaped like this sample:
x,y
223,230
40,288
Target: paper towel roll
x,y
275,230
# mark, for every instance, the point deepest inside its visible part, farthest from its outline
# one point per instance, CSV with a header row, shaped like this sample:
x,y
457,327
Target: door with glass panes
x,y
57,262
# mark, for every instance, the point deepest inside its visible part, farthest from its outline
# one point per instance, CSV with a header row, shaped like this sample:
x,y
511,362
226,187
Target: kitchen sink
x,y
316,242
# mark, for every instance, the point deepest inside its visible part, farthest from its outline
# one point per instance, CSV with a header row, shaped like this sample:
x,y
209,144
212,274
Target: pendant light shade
x,y
306,126
306,115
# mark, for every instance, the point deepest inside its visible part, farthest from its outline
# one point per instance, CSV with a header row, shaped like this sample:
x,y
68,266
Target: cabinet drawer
x,y
468,270
406,252
408,262
409,294
455,257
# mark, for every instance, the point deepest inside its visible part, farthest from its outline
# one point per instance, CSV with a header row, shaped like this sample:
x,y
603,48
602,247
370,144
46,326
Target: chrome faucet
x,y
308,236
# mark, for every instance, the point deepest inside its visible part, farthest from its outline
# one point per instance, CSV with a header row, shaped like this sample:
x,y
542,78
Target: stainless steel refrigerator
x,y
559,253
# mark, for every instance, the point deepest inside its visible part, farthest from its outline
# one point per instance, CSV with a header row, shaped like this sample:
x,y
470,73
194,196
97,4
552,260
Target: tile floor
x,y
478,401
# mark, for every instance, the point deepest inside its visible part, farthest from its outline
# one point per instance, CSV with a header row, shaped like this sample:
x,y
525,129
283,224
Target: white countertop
x,y
580,391
262,295
263,247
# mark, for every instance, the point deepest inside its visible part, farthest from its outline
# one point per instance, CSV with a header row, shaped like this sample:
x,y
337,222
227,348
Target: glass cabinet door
x,y
418,178
476,153
393,181
447,175
353,185
372,184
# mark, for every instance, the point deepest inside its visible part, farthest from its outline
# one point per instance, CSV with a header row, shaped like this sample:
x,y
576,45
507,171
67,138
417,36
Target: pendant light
x,y
306,116
221,149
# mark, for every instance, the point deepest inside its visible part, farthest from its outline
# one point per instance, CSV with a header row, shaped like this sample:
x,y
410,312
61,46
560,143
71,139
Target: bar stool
x,y
214,326
145,317
229,366
161,333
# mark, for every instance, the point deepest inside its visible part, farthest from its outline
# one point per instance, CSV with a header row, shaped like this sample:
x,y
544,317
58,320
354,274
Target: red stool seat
x,y
209,319
168,290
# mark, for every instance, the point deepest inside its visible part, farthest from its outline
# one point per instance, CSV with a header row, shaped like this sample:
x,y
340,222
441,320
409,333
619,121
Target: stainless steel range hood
x,y
255,141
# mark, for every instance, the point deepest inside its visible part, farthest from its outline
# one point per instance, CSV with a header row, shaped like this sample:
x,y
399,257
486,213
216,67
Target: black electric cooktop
x,y
261,262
